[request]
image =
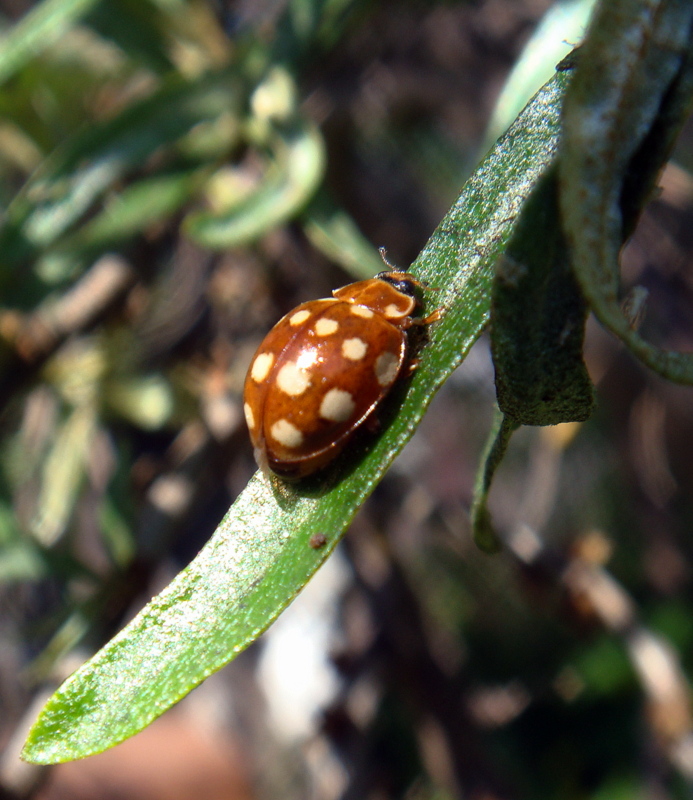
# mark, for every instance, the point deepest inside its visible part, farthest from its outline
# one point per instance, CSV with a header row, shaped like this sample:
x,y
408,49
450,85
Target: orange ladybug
x,y
324,368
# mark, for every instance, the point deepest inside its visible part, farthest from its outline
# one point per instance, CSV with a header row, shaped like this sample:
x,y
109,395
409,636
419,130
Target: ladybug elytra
x,y
323,369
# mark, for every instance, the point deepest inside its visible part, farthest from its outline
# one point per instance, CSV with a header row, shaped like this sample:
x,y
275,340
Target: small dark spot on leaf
x,y
317,540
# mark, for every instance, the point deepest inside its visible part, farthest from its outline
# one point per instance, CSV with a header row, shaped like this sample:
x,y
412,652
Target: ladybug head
x,y
402,281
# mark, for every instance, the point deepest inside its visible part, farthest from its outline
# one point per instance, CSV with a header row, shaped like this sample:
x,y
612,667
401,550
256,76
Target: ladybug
x,y
324,368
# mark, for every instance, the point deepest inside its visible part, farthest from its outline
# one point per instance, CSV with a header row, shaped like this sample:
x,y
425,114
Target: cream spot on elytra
x,y
326,326
261,367
361,311
392,311
292,380
249,416
286,434
354,349
299,317
386,368
337,405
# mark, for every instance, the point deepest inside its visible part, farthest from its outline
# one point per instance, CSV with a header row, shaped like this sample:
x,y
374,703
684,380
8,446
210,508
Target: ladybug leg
x,y
411,368
261,461
434,316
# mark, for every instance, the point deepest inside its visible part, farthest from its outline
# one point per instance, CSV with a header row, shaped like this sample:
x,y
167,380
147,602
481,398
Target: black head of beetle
x,y
402,281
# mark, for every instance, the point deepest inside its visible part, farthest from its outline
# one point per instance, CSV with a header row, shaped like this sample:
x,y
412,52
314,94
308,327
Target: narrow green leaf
x,y
65,639
45,23
332,231
260,556
21,562
63,474
20,558
499,436
631,94
126,214
116,532
137,27
283,192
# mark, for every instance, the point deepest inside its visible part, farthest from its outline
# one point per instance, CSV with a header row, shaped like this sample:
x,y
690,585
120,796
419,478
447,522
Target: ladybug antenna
x,y
383,255
401,280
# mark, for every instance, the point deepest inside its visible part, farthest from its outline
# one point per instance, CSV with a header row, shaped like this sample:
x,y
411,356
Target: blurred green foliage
x,y
119,120
122,123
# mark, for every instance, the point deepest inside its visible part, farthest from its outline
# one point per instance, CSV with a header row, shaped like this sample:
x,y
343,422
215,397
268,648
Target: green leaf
x,y
283,192
334,232
137,27
631,94
63,474
538,320
484,533
45,23
260,557
67,637
145,400
20,558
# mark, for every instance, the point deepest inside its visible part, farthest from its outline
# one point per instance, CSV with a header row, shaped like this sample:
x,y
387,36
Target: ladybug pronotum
x,y
323,369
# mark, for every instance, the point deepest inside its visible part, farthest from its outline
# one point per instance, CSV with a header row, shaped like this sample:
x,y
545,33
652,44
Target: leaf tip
x,y
485,536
